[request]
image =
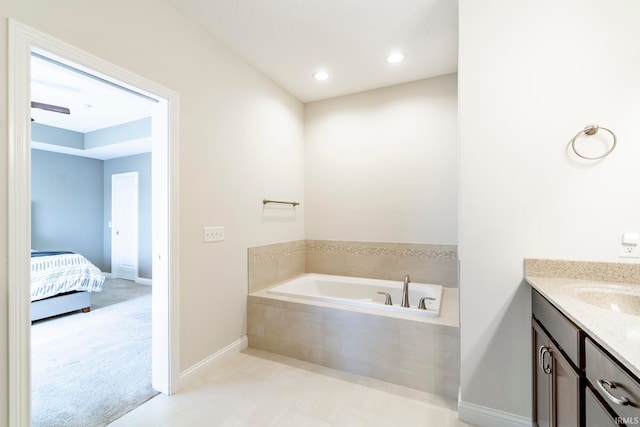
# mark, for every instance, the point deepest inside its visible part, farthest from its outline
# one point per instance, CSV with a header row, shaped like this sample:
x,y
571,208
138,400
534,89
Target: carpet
x,y
88,369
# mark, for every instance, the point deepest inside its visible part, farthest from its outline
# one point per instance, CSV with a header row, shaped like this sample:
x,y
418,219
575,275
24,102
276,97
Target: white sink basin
x,y
620,299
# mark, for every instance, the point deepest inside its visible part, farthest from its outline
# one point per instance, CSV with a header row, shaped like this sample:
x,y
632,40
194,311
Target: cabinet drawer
x,y
567,335
595,413
612,383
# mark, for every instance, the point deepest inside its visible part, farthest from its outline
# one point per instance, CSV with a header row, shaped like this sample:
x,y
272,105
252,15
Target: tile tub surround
x,y
275,263
418,353
425,263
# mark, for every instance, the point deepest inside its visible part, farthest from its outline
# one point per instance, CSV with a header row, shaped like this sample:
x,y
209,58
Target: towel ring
x,y
591,130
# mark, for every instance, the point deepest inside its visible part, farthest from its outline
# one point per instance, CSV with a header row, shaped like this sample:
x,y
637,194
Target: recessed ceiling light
x,y
395,57
321,75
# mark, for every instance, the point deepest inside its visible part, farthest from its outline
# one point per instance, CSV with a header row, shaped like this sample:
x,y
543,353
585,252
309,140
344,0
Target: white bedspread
x,y
52,275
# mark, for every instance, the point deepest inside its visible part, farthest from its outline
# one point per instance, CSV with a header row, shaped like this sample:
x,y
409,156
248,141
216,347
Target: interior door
x,y
124,225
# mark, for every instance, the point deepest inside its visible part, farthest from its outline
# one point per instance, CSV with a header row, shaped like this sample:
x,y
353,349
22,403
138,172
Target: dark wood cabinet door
x,y
541,379
565,395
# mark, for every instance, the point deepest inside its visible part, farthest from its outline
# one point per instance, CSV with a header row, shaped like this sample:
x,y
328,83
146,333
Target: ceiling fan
x,y
49,107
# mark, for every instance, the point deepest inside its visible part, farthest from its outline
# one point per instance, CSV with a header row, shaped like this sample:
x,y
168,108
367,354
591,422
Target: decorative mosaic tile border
x,y
278,250
269,252
382,249
583,270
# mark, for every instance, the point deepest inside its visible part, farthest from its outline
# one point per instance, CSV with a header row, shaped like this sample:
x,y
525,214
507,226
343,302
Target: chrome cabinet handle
x,y
542,352
617,400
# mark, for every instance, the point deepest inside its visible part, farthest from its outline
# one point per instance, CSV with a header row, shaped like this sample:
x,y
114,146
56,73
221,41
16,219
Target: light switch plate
x,y
213,234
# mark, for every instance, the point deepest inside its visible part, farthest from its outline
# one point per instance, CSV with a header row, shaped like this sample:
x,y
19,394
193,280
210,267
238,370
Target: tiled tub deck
x,y
418,352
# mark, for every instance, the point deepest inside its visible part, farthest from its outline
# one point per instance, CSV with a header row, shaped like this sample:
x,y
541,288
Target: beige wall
x,y
381,166
531,75
4,368
240,141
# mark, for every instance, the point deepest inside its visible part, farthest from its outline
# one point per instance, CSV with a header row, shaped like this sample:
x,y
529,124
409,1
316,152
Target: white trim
x,y
143,281
19,226
234,348
22,39
489,417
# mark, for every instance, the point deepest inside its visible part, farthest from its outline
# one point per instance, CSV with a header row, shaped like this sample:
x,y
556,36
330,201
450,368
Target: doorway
x,y
24,41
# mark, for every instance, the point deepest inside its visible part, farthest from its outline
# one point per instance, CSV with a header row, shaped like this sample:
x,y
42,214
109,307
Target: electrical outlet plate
x,y
213,234
628,250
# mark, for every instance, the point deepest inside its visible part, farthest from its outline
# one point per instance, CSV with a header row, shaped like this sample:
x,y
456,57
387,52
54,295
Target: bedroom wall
x,y
140,163
67,204
240,140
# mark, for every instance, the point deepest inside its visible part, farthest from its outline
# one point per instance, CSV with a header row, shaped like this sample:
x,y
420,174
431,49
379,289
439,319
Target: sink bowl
x,y
617,300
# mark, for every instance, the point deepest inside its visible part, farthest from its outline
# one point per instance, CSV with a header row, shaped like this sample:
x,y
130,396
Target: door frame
x,y
165,330
115,248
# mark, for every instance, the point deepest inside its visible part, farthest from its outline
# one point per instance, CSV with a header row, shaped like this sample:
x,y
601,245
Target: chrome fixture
x,y
591,130
421,304
405,291
294,204
387,299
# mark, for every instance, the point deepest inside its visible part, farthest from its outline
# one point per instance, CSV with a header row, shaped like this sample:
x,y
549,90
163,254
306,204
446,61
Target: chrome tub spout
x,y
405,291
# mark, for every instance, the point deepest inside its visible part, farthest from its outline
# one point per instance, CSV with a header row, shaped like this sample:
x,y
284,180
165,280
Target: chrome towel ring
x,y
591,130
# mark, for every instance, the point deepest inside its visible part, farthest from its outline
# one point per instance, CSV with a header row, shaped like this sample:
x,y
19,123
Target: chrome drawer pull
x,y
617,400
543,351
540,355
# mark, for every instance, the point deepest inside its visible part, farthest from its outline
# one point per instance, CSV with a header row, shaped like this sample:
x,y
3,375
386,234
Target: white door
x,y
124,225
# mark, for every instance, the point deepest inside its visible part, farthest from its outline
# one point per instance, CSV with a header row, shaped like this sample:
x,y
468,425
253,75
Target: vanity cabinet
x,y
576,382
616,390
557,382
596,413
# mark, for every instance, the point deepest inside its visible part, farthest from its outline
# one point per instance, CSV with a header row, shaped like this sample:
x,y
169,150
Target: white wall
x,y
240,141
531,75
382,165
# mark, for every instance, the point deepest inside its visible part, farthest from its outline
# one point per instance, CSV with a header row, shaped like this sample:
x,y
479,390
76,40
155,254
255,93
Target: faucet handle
x,y
421,304
387,300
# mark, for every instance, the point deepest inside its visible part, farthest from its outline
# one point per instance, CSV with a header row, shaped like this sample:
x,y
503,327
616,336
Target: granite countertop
x,y
606,310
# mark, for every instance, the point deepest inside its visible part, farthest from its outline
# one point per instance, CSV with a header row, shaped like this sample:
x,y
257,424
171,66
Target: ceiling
x,y
93,105
289,40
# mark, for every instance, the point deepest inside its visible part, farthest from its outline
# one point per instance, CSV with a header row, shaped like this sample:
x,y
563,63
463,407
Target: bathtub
x,y
357,291
341,322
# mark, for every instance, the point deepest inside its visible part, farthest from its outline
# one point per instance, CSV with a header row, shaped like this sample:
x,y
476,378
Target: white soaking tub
x,y
341,322
357,291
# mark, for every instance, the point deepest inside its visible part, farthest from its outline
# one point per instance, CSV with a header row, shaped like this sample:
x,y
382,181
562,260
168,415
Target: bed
x,y
62,282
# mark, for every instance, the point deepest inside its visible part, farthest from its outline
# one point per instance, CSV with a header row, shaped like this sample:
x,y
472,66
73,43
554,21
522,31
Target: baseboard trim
x,y
138,280
489,417
217,357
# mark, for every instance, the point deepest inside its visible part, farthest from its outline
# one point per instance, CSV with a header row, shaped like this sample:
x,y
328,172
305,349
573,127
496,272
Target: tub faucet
x,y
422,305
405,291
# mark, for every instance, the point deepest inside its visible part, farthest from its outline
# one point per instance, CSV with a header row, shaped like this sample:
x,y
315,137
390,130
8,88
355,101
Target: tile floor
x,y
255,388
